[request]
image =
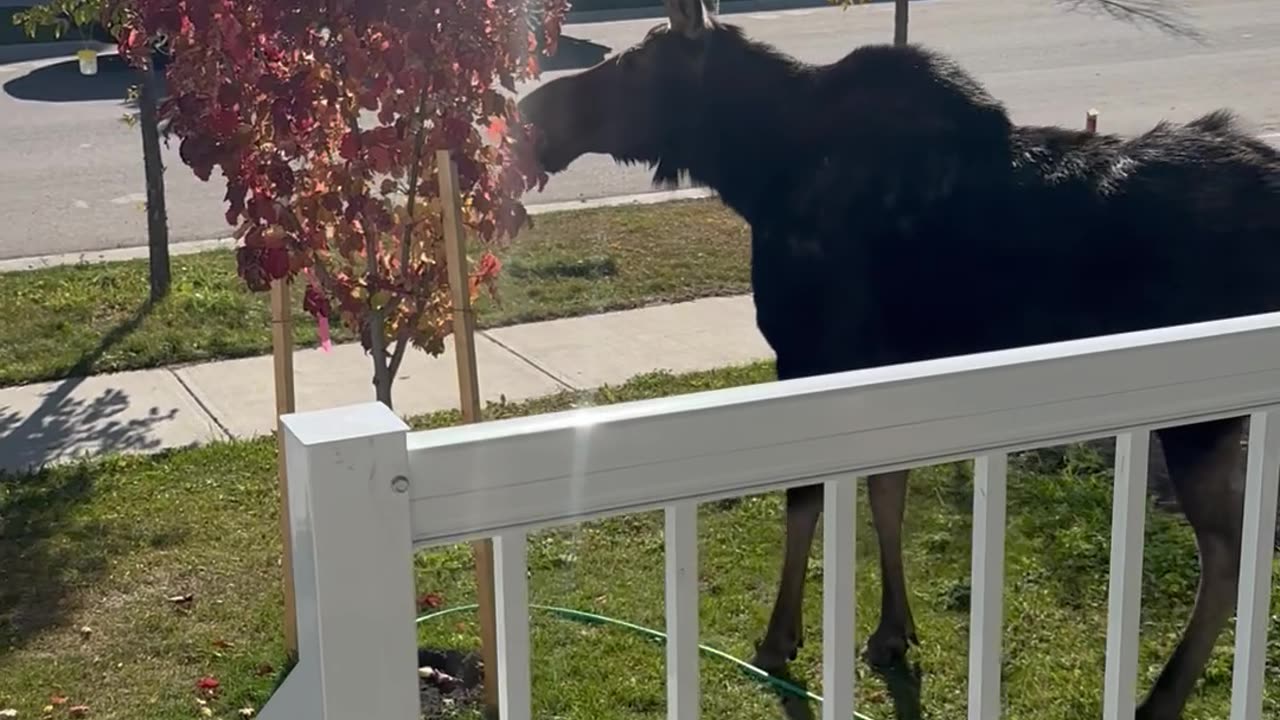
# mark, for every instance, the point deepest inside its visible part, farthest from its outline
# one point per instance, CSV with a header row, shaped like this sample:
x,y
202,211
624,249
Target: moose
x,y
897,214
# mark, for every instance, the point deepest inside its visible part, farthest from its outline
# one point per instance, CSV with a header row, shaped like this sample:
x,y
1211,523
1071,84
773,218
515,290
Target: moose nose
x,y
532,110
531,107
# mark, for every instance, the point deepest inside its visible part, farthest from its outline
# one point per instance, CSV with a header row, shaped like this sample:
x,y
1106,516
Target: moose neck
x,y
748,130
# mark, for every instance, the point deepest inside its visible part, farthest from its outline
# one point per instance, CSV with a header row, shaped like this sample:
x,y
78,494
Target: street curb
x,y
195,246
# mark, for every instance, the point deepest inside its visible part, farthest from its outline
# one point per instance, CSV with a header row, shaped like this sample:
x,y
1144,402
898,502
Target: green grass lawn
x,y
92,554
93,318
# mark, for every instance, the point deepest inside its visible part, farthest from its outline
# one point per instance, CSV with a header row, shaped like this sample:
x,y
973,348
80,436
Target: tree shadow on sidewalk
x,y
46,549
62,422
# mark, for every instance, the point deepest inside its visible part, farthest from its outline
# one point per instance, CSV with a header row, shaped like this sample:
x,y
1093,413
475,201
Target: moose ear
x,y
687,17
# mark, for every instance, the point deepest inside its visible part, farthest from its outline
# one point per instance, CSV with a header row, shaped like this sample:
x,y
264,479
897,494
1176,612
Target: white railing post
x,y
1253,606
986,603
1124,594
839,514
511,598
353,562
681,538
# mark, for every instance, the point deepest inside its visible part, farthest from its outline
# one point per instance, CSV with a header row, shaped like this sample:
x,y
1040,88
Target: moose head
x,y
698,98
639,105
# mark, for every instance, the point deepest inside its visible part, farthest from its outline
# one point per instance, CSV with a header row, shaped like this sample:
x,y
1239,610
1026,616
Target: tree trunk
x,y
900,22
157,216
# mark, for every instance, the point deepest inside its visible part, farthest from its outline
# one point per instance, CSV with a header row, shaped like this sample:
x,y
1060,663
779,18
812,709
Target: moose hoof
x,y
887,647
773,660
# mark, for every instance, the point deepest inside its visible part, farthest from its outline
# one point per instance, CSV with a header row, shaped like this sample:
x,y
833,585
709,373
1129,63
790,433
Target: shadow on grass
x,y
45,549
904,683
793,706
31,438
44,553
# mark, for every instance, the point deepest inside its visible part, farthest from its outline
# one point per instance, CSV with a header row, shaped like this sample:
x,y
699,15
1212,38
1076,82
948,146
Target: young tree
x,y
324,117
83,14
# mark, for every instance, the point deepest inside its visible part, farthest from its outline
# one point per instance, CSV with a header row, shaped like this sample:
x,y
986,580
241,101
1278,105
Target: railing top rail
x,y
471,481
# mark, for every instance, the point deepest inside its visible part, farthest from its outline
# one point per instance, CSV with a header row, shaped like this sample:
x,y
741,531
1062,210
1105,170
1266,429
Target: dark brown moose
x,y
897,215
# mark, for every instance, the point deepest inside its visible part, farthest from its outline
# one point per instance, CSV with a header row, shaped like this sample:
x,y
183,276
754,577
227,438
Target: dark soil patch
x,y
459,691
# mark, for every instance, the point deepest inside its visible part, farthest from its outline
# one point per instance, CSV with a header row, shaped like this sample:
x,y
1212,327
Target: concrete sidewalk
x,y
150,410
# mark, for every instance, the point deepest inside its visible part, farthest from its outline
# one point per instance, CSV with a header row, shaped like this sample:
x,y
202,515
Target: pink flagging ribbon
x,y
322,321
323,328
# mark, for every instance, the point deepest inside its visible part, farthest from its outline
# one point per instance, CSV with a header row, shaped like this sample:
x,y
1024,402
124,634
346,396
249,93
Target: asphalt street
x,y
71,171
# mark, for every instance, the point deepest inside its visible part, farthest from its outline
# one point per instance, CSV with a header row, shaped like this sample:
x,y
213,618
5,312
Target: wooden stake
x,y
282,352
1091,121
469,394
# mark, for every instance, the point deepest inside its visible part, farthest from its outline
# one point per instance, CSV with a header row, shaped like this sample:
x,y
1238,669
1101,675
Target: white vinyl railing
x,y
364,492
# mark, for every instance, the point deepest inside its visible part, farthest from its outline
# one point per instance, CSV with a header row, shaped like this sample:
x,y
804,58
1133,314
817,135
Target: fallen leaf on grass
x,y
208,685
223,644
8,713
264,670
78,711
85,632
57,700
430,601
181,601
246,712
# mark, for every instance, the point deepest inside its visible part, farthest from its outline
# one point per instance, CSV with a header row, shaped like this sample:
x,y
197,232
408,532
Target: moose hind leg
x,y
785,634
888,498
1205,466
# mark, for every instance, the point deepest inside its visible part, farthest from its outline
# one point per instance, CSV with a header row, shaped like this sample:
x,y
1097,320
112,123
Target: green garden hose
x,y
581,616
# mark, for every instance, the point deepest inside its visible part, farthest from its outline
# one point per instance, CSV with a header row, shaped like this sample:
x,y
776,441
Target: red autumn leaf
x,y
349,148
208,684
380,158
276,262
497,128
430,601
57,699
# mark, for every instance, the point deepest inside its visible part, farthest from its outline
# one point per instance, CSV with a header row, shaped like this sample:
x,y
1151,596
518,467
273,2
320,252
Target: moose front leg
x,y
785,634
888,497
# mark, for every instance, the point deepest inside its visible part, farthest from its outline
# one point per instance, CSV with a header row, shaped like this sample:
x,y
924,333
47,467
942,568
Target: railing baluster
x,y
1124,594
986,606
838,556
1253,606
511,596
681,538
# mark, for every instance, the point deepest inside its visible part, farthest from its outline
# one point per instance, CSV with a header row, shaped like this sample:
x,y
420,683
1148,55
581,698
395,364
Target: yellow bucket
x,y
88,61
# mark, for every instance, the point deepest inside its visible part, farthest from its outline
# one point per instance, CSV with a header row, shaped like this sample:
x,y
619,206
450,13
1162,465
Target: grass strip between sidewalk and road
x,y
129,579
93,318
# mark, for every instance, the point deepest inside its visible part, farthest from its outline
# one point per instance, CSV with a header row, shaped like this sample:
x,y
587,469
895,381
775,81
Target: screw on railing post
x,y
400,484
